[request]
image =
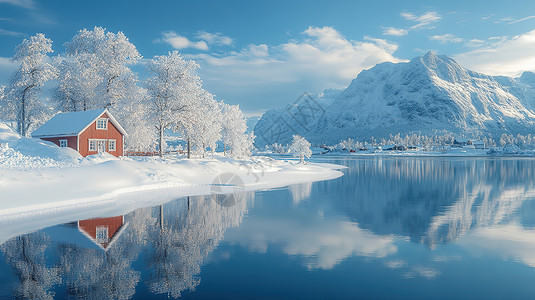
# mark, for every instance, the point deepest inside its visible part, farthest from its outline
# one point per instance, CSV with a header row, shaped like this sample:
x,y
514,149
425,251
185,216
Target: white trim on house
x,y
112,120
64,143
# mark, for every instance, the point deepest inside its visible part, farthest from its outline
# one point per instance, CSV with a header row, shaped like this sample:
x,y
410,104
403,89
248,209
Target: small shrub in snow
x,y
300,147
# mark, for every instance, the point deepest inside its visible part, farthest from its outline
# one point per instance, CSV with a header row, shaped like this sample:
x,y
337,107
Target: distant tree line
x,y
441,141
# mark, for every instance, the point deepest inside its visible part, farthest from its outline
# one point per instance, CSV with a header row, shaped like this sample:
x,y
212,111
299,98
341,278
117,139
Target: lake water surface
x,y
389,228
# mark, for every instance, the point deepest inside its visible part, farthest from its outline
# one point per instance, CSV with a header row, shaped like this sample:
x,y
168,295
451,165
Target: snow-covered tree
x,y
24,105
173,89
135,119
103,58
203,123
244,147
78,83
2,93
4,110
300,147
233,132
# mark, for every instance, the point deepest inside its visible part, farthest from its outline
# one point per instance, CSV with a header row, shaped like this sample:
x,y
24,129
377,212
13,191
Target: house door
x,y
101,146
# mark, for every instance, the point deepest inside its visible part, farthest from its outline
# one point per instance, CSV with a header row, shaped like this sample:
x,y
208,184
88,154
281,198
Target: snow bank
x,y
21,152
12,159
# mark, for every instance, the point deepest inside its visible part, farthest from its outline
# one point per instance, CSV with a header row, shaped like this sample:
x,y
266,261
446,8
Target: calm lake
x,y
389,228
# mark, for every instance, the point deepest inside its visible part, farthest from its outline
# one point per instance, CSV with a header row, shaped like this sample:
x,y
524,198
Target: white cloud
x,y
214,38
179,42
11,33
395,31
274,74
508,56
475,43
203,40
508,19
424,21
422,271
446,38
395,264
521,20
29,4
510,241
323,242
34,13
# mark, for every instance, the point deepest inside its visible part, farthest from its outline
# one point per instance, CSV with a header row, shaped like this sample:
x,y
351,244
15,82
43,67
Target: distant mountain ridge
x,y
428,94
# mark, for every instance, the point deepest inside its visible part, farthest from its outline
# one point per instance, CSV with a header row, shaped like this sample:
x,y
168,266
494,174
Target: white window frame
x,y
110,143
103,143
102,234
96,142
93,143
102,121
63,143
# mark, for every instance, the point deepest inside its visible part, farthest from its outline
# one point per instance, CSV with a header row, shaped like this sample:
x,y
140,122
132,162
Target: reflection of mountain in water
x,y
96,263
432,200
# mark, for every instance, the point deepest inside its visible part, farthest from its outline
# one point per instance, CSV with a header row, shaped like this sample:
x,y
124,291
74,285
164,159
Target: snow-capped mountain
x,y
427,94
279,124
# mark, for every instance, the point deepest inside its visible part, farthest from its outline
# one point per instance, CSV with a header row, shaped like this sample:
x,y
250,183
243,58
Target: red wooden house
x,y
88,132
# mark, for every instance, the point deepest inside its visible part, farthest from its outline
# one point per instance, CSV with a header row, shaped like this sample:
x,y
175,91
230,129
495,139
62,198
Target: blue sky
x,y
262,54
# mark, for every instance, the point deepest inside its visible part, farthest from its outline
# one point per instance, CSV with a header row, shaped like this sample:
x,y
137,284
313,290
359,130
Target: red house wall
x,y
72,141
93,133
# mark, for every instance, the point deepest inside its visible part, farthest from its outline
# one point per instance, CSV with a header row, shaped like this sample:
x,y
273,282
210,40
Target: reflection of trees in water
x,y
178,236
434,200
95,274
98,274
300,191
26,254
181,243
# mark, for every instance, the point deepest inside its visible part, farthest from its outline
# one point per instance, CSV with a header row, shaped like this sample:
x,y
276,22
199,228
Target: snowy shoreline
x,y
32,190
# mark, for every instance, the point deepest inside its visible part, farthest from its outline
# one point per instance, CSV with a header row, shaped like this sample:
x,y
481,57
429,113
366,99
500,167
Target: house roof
x,y
73,123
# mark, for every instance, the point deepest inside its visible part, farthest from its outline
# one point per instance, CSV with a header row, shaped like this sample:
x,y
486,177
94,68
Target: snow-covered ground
x,y
38,177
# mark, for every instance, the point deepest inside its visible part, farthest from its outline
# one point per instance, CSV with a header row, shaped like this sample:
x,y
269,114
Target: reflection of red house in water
x,y
103,231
